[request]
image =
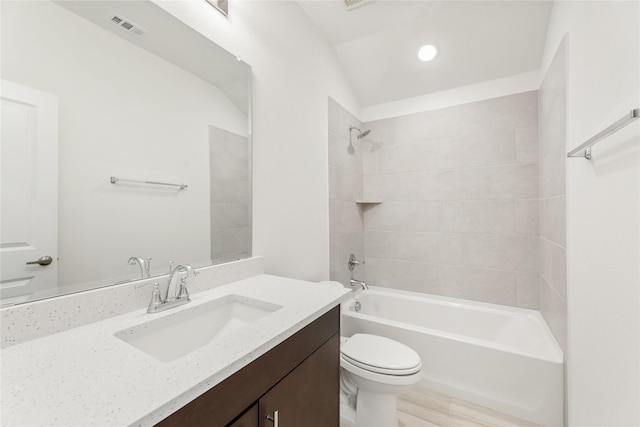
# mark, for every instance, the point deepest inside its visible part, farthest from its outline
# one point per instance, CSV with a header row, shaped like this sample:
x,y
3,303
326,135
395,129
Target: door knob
x,y
43,260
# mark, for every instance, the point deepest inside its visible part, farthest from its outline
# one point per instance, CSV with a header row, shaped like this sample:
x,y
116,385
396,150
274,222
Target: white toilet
x,y
374,370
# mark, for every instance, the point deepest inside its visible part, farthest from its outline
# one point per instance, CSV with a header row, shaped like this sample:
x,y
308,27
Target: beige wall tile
x,y
422,247
417,156
341,247
344,184
495,147
380,244
553,220
553,173
230,241
229,191
527,144
526,109
344,217
228,167
499,113
508,252
553,84
552,287
452,249
381,187
432,185
341,158
477,284
528,217
370,160
553,127
554,311
382,131
401,216
553,266
478,216
427,125
460,188
401,274
228,215
516,181
527,290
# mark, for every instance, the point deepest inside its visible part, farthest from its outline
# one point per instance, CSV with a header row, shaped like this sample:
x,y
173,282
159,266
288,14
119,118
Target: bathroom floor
x,y
419,407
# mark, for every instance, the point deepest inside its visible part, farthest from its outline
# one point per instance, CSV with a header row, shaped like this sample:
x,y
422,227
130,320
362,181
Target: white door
x,y
29,197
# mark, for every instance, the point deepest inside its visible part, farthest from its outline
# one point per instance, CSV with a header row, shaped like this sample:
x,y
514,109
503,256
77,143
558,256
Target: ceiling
x,y
377,43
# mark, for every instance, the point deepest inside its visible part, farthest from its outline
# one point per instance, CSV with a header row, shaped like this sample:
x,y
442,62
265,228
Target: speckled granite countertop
x,y
87,377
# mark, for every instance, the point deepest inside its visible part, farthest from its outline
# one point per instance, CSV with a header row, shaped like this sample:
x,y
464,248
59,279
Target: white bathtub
x,y
499,357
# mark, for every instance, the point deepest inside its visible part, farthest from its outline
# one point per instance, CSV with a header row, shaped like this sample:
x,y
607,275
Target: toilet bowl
x,y
374,370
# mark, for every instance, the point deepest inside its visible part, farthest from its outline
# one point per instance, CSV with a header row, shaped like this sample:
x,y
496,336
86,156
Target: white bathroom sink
x,y
171,337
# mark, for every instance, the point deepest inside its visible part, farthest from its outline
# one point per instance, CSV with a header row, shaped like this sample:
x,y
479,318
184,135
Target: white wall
x,y
122,120
294,71
603,210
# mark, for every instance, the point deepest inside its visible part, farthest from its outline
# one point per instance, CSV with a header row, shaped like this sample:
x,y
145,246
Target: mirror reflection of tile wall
x,y
230,231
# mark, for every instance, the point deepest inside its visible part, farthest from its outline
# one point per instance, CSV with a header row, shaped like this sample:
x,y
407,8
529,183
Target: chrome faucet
x,y
354,282
175,296
352,264
142,263
173,292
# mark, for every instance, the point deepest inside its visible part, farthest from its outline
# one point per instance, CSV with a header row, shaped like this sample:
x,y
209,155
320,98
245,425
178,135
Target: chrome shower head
x,y
361,133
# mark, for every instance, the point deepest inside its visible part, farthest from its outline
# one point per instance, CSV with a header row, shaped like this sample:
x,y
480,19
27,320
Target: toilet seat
x,y
380,355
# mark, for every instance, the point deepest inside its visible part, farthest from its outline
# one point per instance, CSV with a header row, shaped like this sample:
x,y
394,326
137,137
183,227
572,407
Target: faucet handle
x,y
156,299
353,262
184,292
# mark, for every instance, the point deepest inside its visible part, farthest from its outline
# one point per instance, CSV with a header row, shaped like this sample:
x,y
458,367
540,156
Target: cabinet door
x,y
248,419
310,395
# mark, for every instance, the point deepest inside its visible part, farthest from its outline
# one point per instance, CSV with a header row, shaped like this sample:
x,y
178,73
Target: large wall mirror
x,y
125,137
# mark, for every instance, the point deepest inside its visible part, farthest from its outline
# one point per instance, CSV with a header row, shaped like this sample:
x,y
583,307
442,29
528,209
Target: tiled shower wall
x,y
460,201
553,253
345,187
229,169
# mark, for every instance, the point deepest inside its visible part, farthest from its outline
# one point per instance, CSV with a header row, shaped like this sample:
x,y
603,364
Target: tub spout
x,y
354,282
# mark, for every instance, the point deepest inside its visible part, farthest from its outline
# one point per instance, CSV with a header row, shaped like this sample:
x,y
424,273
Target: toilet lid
x,y
380,354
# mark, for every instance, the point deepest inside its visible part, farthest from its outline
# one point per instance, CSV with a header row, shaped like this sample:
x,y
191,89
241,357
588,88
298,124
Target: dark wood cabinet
x,y
309,395
248,419
299,378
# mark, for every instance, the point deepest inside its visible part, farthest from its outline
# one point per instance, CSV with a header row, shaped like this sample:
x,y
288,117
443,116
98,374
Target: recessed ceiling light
x,y
427,52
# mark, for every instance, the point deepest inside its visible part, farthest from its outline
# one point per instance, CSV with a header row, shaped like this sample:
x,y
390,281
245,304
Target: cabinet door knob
x,y
274,418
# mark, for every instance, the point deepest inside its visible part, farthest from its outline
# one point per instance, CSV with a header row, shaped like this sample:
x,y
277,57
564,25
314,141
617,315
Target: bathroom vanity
x,y
282,362
298,380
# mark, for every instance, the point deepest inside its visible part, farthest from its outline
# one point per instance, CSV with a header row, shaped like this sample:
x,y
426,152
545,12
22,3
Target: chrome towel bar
x,y
628,118
114,180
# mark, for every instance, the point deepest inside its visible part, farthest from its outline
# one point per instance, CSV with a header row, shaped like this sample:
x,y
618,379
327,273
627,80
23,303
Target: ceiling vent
x,y
354,4
126,25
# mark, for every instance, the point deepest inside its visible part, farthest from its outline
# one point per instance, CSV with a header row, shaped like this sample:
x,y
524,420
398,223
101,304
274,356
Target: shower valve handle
x,y
353,262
